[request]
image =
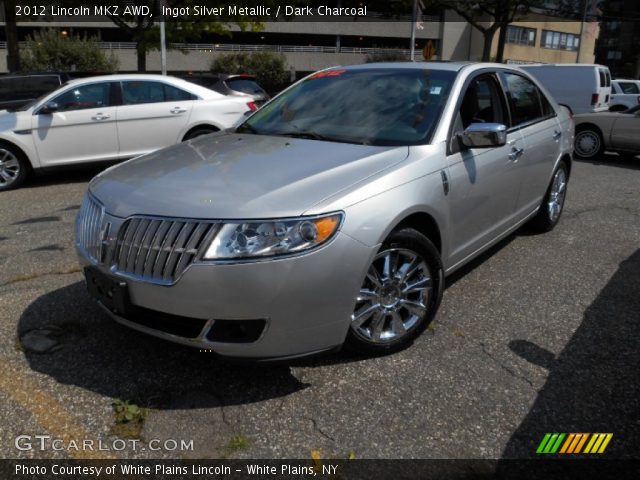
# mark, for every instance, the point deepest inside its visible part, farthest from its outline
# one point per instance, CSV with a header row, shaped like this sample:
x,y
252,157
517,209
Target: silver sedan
x,y
612,131
331,216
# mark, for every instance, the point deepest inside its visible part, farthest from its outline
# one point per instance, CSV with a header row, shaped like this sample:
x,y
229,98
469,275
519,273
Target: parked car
x,y
332,215
231,84
612,131
17,90
109,118
584,88
624,94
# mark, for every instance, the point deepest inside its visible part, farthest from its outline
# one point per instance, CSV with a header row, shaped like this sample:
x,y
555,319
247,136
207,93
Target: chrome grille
x,y
88,228
159,250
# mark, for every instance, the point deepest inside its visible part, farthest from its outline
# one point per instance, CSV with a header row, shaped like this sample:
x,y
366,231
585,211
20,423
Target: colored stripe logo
x,y
574,443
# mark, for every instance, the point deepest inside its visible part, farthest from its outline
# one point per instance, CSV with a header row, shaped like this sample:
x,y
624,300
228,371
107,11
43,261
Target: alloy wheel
x,y
393,298
557,194
9,168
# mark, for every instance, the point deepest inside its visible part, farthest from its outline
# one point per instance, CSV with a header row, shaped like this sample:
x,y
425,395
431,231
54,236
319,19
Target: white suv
x,y
624,94
109,118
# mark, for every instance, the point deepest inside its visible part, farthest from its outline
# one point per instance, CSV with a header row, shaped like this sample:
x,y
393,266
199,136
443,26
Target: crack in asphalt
x,y
505,368
35,276
578,213
495,360
319,430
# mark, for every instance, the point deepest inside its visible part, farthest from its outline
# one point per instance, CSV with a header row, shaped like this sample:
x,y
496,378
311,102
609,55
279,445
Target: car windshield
x,y
373,106
244,85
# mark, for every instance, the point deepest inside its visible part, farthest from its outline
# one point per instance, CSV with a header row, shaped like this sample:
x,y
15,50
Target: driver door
x,y
83,129
484,182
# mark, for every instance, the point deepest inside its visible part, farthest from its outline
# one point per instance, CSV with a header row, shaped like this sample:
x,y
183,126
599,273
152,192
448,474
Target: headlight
x,y
273,237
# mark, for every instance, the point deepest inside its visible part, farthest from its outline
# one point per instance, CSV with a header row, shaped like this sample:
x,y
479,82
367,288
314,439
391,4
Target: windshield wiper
x,y
318,136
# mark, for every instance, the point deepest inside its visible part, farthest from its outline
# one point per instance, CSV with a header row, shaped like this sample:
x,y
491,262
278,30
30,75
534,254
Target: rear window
x,y
605,78
629,87
244,85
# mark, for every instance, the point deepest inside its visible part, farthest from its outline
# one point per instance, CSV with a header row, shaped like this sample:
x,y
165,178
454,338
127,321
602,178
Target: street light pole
x,y
163,48
414,19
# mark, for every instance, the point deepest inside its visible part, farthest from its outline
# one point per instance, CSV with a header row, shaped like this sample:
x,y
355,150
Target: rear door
x,y
152,116
83,129
537,121
604,89
484,182
625,134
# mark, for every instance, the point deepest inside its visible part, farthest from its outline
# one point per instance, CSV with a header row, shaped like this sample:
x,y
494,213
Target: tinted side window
x,y
94,95
526,101
481,103
174,94
628,87
136,93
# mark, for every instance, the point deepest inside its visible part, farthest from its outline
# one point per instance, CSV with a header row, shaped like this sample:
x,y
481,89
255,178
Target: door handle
x,y
557,135
516,153
176,110
100,116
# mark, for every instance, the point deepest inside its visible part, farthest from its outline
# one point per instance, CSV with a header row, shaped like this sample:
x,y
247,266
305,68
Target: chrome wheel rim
x,y
587,143
557,194
9,168
393,298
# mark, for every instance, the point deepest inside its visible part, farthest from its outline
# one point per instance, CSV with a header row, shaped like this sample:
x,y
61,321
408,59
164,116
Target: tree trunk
x,y
142,57
13,51
501,41
488,42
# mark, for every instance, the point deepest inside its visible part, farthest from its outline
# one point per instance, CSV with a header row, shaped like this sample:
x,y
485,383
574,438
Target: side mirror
x,y
49,107
482,135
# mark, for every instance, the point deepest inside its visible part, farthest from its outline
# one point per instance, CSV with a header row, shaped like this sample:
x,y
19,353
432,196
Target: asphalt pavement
x,y
539,335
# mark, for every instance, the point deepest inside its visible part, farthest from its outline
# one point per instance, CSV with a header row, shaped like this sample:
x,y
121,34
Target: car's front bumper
x,y
306,300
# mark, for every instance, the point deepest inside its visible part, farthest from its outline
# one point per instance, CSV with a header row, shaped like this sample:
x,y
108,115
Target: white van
x,y
584,88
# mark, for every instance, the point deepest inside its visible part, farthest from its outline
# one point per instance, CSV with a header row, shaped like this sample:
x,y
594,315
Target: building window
x,y
560,40
521,35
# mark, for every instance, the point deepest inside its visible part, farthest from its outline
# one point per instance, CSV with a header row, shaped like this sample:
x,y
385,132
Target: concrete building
x,y
310,46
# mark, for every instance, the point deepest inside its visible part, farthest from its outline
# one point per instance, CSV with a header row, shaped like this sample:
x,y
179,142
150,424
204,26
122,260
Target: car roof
x,y
192,87
448,66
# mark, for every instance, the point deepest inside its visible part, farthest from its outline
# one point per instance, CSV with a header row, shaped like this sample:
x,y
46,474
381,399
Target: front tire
x,y
399,297
13,167
588,142
553,203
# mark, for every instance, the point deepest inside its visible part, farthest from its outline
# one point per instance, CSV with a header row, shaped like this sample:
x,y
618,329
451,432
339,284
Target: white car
x,y
109,118
624,94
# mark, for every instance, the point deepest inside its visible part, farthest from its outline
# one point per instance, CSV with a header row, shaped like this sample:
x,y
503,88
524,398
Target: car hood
x,y
238,176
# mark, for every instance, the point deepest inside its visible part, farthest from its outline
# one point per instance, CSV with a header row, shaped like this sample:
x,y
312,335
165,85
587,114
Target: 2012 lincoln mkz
x,y
331,216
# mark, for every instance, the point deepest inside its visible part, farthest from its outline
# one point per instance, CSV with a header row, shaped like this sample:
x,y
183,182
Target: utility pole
x,y
414,19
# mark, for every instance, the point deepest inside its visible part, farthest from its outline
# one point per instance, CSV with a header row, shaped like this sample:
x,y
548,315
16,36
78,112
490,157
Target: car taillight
x,y
252,106
594,98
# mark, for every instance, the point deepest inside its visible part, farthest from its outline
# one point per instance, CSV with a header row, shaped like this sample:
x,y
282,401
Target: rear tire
x,y
588,142
198,132
553,203
399,297
14,167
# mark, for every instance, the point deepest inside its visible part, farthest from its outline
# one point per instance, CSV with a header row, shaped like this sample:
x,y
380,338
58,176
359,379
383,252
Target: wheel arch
x,y
210,126
424,223
30,165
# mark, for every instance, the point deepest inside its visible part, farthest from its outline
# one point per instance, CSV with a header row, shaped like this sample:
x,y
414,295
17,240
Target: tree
x,y
13,52
143,25
269,68
497,13
49,50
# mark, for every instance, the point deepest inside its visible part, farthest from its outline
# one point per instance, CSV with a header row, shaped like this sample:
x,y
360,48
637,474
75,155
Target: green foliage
x,y
238,442
126,411
386,57
269,68
47,49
